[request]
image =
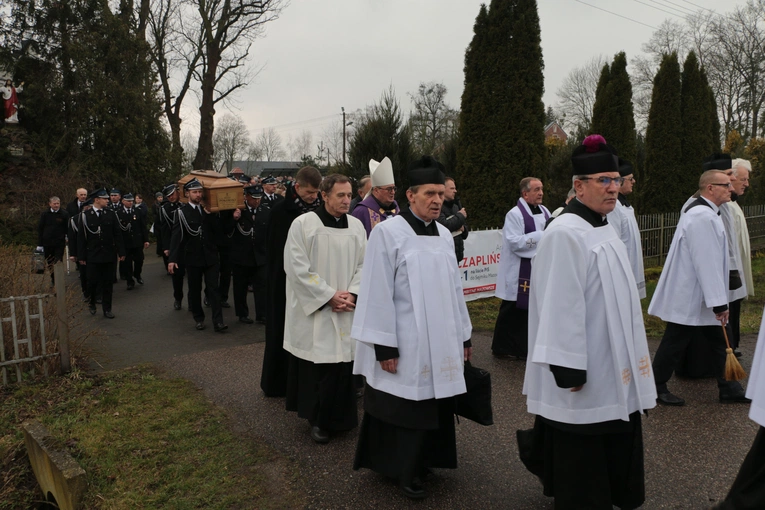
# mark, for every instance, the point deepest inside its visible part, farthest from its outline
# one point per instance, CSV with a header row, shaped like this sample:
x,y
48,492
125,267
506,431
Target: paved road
x,y
692,453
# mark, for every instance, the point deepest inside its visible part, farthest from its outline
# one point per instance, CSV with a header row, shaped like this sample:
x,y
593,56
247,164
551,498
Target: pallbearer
x,y
588,376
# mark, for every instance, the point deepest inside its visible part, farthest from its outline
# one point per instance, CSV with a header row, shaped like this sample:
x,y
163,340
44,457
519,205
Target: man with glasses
x,y
692,293
521,233
622,218
588,377
380,203
740,236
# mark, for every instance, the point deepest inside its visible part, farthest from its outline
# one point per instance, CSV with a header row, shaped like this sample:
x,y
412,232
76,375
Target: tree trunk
x,y
203,159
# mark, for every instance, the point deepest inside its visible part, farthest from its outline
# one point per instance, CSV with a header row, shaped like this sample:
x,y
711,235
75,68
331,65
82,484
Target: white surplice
x,y
756,387
319,261
517,244
411,298
695,276
622,218
744,246
727,213
584,314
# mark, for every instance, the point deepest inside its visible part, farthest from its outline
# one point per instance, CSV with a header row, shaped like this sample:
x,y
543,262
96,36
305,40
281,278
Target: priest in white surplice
x,y
323,258
748,491
622,218
740,236
413,333
692,293
588,375
523,229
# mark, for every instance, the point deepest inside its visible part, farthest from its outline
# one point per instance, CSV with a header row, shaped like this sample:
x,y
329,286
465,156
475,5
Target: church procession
x,y
349,297
367,305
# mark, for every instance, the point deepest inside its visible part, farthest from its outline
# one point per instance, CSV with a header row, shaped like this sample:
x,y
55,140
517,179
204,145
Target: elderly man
x,y
74,207
692,293
588,378
324,255
99,247
302,197
51,233
523,229
365,184
740,236
748,490
454,217
193,242
413,332
380,203
622,218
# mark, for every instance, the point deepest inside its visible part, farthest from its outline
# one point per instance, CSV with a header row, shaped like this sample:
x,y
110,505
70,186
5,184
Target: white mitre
x,y
381,174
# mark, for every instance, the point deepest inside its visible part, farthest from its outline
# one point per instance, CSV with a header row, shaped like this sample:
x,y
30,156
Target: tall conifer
x,y
502,114
664,188
696,123
615,118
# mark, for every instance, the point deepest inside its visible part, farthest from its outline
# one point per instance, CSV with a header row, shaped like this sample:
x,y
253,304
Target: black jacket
x,y
271,203
166,221
454,220
72,208
193,236
51,230
133,226
100,239
248,237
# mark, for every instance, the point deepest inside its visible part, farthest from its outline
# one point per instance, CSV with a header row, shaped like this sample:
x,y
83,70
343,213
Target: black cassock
x,y
401,438
323,393
748,491
273,378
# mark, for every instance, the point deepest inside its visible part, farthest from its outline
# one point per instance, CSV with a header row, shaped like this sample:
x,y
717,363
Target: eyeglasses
x,y
605,181
724,184
389,189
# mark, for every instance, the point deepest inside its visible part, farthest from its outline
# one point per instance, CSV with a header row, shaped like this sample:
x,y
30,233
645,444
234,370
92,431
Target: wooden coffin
x,y
219,194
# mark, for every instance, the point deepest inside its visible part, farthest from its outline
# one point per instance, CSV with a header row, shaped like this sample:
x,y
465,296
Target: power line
x,y
700,7
678,7
615,14
658,9
298,123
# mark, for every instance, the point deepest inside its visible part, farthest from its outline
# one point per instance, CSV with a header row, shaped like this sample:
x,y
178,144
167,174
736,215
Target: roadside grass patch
x,y
144,440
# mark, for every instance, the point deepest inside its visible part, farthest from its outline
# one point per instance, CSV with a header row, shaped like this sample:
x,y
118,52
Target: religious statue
x,y
11,101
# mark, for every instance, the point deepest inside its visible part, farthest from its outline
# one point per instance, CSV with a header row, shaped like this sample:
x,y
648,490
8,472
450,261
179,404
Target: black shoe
x,y
92,309
246,320
319,435
177,305
738,397
139,280
413,490
737,353
200,326
668,399
224,304
130,286
109,315
220,327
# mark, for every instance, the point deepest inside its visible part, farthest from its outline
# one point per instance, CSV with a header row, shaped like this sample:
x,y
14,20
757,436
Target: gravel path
x,y
692,453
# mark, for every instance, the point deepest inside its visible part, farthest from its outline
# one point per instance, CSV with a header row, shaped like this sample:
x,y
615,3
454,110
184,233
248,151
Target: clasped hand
x,y
343,301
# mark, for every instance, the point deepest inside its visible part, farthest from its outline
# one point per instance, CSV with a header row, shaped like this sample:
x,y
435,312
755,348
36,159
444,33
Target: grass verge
x,y
144,440
483,312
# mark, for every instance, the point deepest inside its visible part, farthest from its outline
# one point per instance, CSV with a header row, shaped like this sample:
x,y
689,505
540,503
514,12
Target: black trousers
x,y
224,268
210,276
748,491
734,331
83,272
676,338
100,276
132,266
244,276
511,331
178,275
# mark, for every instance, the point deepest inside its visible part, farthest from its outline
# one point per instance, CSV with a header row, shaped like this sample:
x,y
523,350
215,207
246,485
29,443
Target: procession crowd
x,y
362,298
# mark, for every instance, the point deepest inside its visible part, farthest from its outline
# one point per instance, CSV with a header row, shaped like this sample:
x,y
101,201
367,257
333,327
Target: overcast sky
x,y
321,55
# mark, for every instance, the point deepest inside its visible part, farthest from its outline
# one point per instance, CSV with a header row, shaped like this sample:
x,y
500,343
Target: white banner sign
x,y
480,266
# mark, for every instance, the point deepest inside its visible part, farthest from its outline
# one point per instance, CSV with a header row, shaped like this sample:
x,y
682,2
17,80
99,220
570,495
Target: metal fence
x,y
25,334
656,231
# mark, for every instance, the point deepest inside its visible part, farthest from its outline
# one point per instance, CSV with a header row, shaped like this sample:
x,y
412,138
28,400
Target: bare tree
x,y
577,93
300,146
332,136
231,141
431,117
269,144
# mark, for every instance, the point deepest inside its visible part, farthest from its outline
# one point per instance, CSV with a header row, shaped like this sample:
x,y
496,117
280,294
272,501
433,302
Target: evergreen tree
x,y
664,188
613,114
382,133
502,114
697,125
712,109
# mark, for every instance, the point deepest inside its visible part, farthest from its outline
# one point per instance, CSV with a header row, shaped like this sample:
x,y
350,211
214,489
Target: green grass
x,y
483,312
144,440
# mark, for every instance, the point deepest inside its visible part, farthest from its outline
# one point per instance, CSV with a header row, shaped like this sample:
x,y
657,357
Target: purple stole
x,y
524,273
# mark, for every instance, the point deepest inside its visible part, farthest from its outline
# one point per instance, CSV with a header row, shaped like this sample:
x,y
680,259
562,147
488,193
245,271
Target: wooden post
x,y
63,323
661,239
